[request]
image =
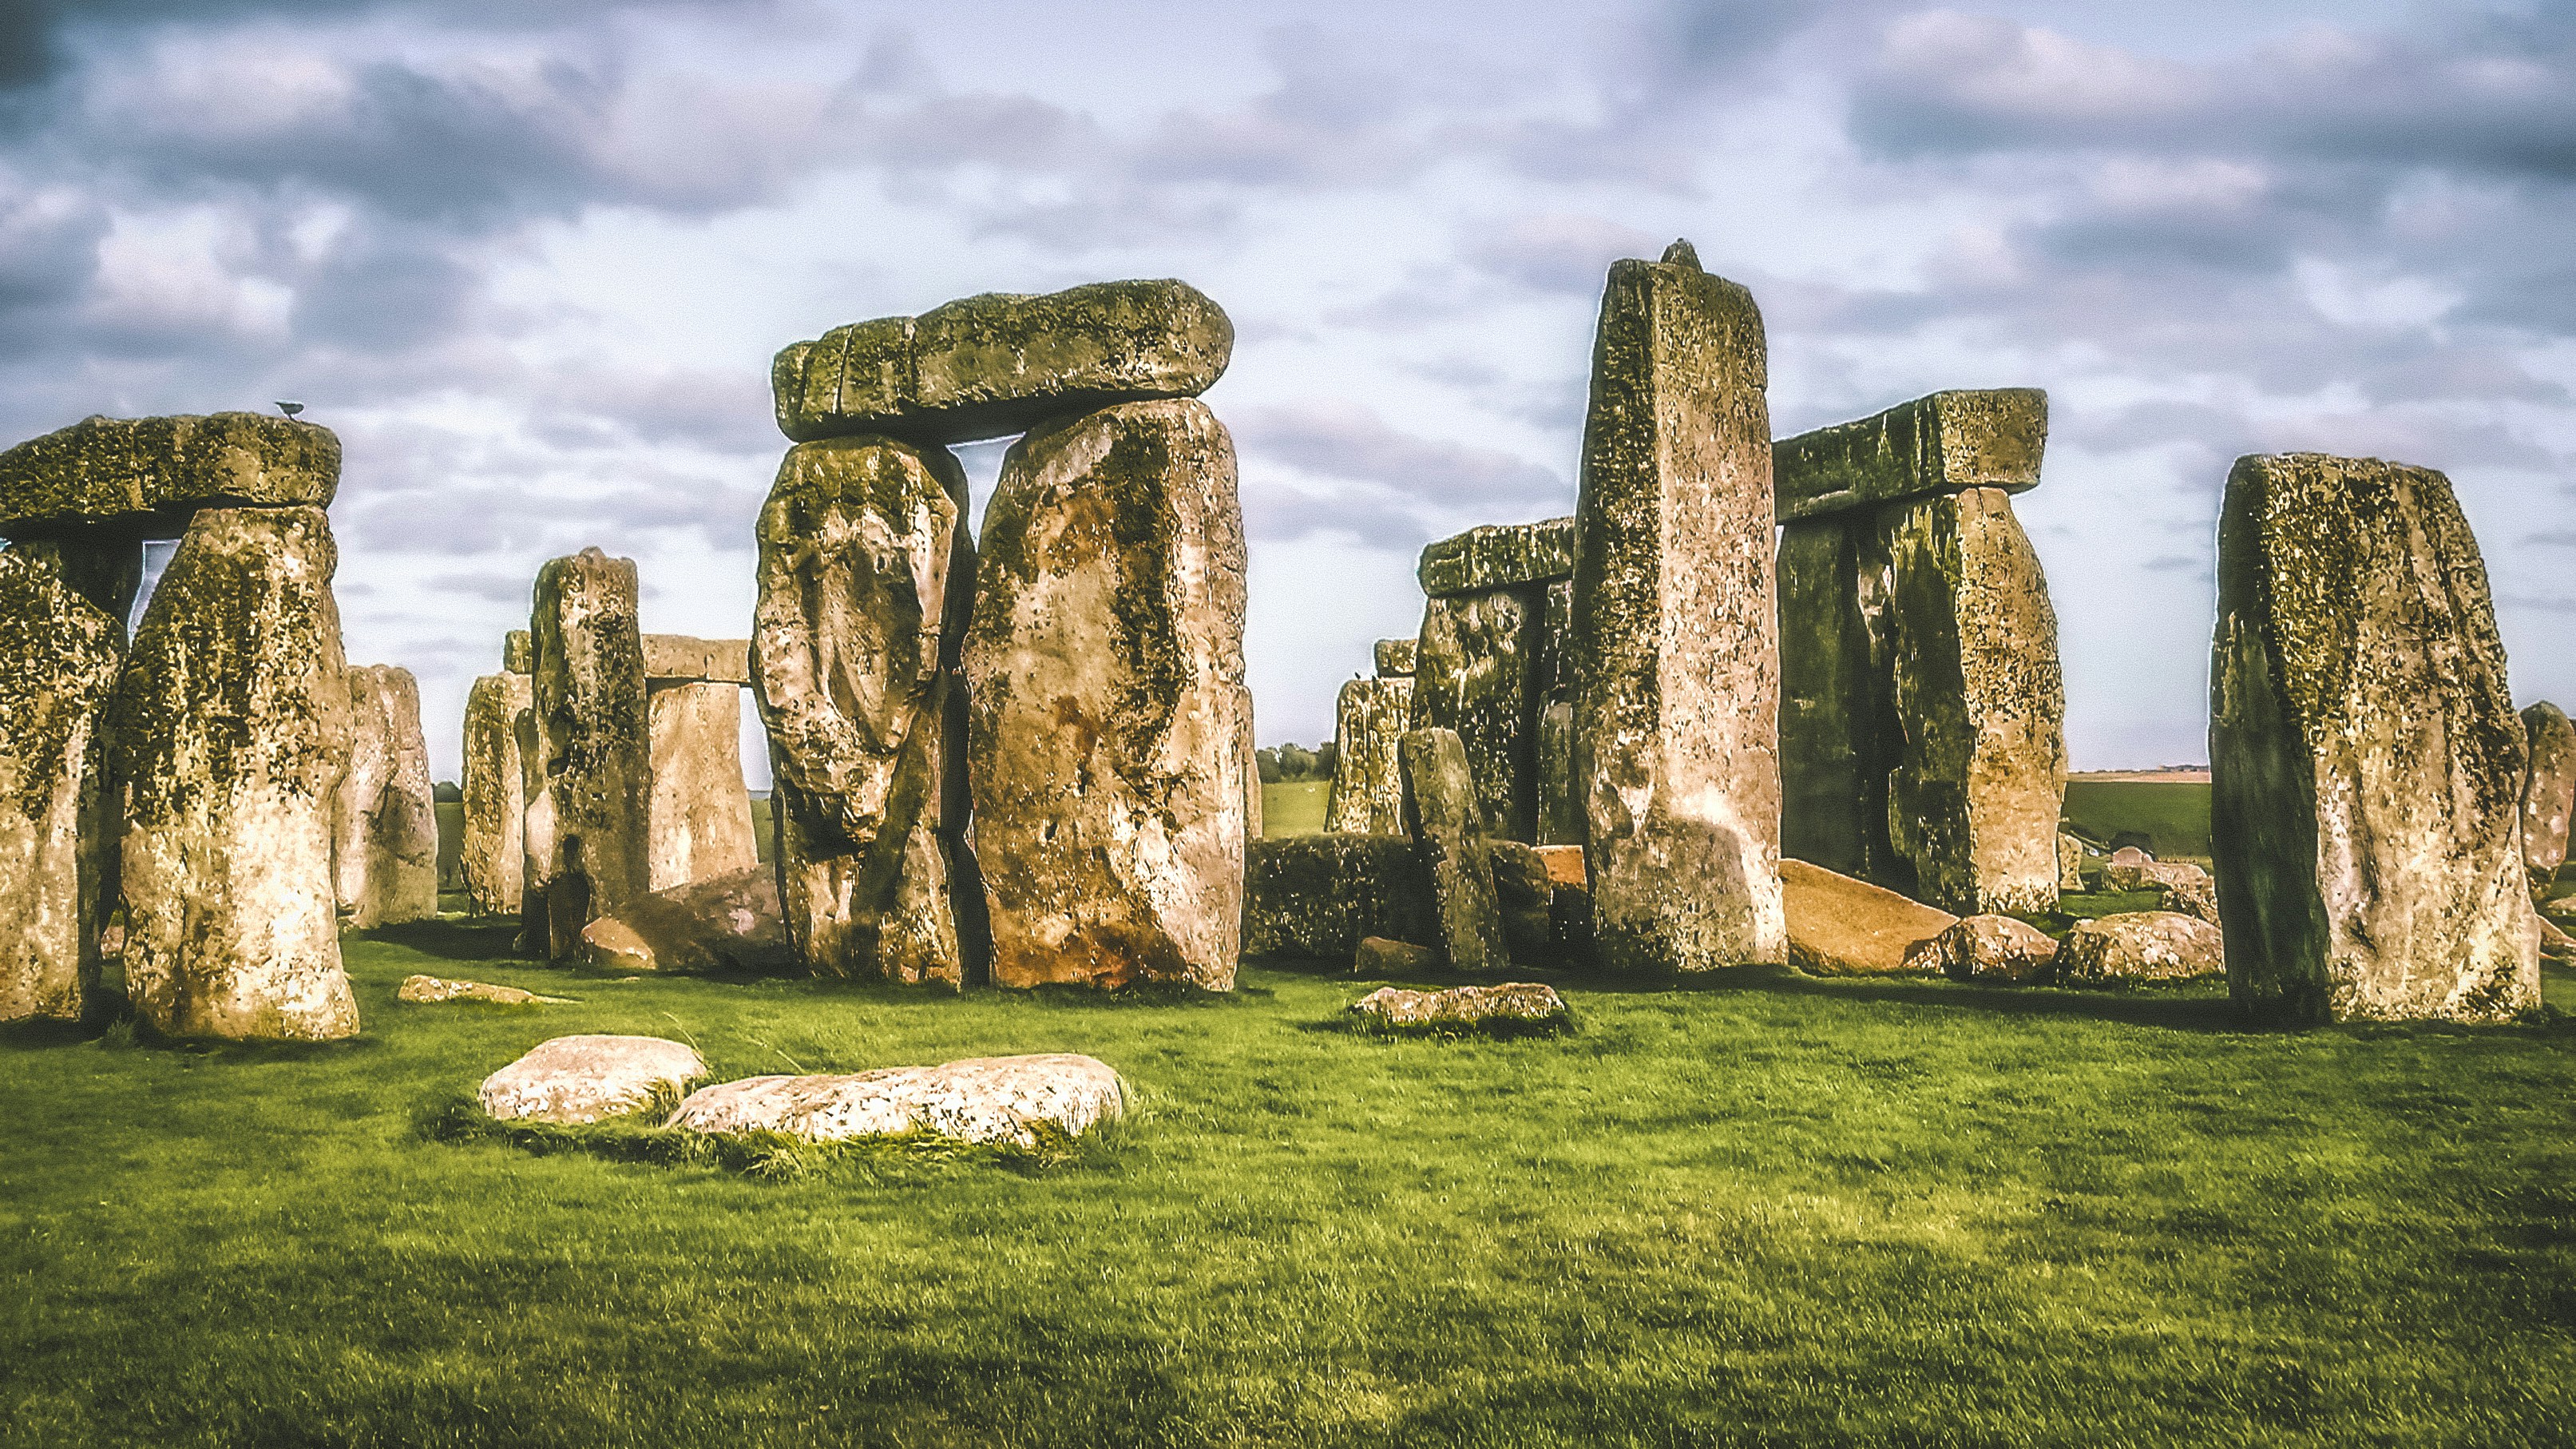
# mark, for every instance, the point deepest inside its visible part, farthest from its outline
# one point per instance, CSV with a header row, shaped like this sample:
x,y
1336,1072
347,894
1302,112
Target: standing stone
x,y
496,804
1839,735
518,652
58,664
228,729
1368,782
856,543
700,817
1560,789
1394,658
2366,762
595,739
384,819
2549,792
1440,814
2070,865
1106,660
536,835
1677,714
1475,675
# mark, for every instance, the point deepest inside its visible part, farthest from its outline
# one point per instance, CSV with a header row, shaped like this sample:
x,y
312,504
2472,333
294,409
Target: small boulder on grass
x,y
1512,1006
1379,956
578,1079
1987,948
1012,1100
430,990
2187,888
2140,946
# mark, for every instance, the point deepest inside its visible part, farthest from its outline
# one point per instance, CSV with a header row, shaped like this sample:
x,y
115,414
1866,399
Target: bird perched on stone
x,y
290,408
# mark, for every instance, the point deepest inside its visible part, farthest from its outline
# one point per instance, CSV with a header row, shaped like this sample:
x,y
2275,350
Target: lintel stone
x,y
679,658
1944,443
129,471
1498,556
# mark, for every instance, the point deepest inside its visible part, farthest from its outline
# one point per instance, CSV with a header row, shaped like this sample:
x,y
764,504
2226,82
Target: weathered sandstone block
x,y
1987,948
594,739
228,730
728,923
999,363
59,657
1318,896
2140,946
2070,865
682,658
1677,718
1394,658
384,820
123,469
577,1079
1560,785
1106,661
856,543
496,803
1476,674
1440,814
1020,1100
536,836
432,990
2367,765
698,825
1944,443
1513,1005
518,652
1839,926
1498,556
1368,784
2548,792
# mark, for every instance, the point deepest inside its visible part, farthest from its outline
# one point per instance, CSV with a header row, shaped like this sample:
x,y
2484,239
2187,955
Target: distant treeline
x,y
1282,763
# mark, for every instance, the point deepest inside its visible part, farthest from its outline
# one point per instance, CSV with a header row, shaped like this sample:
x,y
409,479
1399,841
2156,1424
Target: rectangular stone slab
x,y
1968,438
1477,673
1317,896
1498,556
595,738
2366,763
1368,784
699,823
1440,815
681,658
384,818
1838,733
112,470
495,794
997,364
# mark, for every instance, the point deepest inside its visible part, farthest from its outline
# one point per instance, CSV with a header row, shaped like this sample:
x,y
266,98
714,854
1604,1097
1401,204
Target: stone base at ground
x,y
729,923
1018,1100
1839,926
1378,956
2140,946
577,1079
1987,948
1514,1004
1319,896
1440,812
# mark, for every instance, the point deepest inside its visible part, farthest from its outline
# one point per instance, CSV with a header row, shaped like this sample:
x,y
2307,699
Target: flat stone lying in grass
x,y
1987,948
2140,946
1839,926
979,1099
578,1079
431,990
1512,1005
1379,956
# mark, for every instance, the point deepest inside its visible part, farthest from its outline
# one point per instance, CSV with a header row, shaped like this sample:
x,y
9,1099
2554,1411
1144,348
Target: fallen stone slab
x,y
1001,363
432,990
2140,946
980,1099
1497,556
2186,887
725,923
1944,443
105,470
683,658
1378,956
1987,948
1839,926
1513,1005
579,1079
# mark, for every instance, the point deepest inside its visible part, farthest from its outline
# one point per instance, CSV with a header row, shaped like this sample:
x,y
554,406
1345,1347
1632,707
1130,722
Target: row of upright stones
x,y
223,777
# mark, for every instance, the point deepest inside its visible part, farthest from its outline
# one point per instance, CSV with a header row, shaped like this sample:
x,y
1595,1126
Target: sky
x,y
531,262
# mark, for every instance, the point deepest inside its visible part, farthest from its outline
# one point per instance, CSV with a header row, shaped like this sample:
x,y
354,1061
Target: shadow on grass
x,y
484,938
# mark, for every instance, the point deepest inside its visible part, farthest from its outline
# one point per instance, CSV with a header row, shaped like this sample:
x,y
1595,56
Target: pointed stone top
x,y
1682,253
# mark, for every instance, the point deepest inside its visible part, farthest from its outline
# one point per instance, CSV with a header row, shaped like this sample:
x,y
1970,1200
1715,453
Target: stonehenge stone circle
x,y
1106,737
1440,813
2549,791
518,652
59,657
1394,658
594,741
384,819
1368,786
682,659
228,729
496,800
997,364
1676,713
1839,926
2366,761
698,823
854,616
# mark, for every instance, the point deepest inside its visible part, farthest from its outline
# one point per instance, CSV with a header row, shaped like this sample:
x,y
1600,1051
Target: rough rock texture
x,y
1839,926
698,825
1440,815
1498,556
594,740
1368,784
2548,792
2366,761
58,664
518,652
1514,1004
1022,1100
1379,956
102,470
857,542
1675,636
494,846
1000,363
576,1079
1564,864
1477,673
727,923
1524,896
384,820
431,990
1318,896
2186,887
1987,948
536,836
1559,783
1106,662
1394,658
683,658
2070,865
1949,441
2140,946
228,728
1839,735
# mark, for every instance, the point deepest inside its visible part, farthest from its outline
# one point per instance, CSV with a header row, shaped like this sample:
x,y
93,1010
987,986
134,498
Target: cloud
x,y
1349,441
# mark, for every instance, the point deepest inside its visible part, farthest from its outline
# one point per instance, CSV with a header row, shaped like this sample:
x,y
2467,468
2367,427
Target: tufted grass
x,y
1768,1210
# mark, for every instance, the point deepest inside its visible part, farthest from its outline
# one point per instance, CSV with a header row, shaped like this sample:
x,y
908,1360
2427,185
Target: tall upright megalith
x,y
1485,654
384,819
228,729
1105,742
699,822
496,801
595,739
2548,793
59,656
856,543
2366,761
1676,716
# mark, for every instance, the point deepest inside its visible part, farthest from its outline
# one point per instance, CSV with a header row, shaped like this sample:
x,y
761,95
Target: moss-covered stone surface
x,y
1944,443
593,736
1498,556
495,795
124,470
1369,717
1476,672
1319,896
2548,793
58,663
384,821
1440,814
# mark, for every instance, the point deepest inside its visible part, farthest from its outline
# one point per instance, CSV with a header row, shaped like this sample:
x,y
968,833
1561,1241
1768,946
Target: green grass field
x,y
2174,817
1294,807
1767,1210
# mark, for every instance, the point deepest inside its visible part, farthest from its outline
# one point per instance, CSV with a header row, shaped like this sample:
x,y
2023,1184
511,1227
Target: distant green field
x,y
2173,817
451,846
1294,808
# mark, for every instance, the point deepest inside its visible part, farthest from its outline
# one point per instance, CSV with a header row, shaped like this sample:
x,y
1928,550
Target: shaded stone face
x,y
724,923
1476,673
856,544
700,818
1106,661
2549,791
126,470
229,729
1319,896
2366,762
384,820
1988,948
995,364
536,833
1944,443
518,652
1560,788
1838,732
495,844
1440,814
594,735
59,657
1368,783
1677,716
